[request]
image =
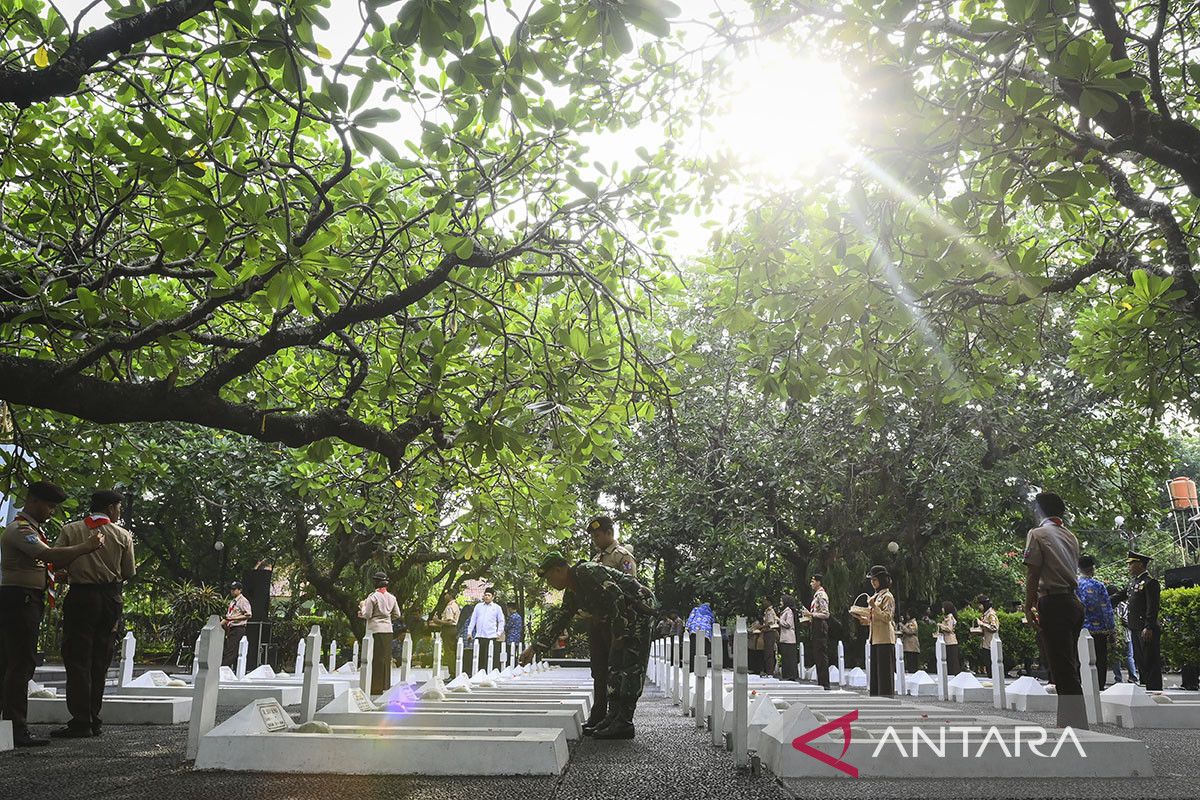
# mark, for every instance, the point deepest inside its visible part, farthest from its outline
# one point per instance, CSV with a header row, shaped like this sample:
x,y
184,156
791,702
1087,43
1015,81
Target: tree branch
x,y
63,77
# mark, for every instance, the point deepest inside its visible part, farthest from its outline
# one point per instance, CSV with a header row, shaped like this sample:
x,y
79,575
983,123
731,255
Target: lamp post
x,y
219,546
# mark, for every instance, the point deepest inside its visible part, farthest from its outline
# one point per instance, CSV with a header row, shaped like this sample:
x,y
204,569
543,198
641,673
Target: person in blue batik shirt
x,y
1097,613
700,625
512,629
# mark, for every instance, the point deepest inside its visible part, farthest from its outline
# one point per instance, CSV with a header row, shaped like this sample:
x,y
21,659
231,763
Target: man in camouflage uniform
x,y
610,553
627,607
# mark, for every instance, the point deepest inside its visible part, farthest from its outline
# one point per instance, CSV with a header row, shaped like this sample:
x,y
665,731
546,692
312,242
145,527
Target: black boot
x,y
596,720
619,724
23,738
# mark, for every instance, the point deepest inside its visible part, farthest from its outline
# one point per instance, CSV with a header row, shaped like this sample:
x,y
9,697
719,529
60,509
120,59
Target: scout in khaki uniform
x,y
881,617
448,623
92,610
817,615
27,564
236,616
379,609
986,627
1051,559
627,607
617,556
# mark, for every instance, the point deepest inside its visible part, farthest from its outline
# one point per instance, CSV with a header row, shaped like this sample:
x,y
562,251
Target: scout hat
x,y
601,523
551,561
1135,556
235,585
878,571
380,578
47,492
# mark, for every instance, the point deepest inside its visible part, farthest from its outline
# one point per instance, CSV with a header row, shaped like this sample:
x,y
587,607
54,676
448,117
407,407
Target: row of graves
x,y
496,719
799,729
499,721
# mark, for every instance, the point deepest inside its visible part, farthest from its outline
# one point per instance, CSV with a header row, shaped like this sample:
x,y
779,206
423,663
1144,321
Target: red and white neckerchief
x,y
1055,521
51,593
94,521
382,590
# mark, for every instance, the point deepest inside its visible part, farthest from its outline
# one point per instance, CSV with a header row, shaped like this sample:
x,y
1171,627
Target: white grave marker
x,y
128,646
367,652
312,675
243,654
1087,676
209,645
841,665
406,657
717,686
999,689
741,698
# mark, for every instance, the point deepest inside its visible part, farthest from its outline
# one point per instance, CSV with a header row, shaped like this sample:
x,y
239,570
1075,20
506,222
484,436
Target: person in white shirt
x,y
379,609
486,628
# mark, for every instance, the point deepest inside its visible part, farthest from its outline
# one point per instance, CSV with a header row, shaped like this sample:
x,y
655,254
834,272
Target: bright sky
x,y
785,119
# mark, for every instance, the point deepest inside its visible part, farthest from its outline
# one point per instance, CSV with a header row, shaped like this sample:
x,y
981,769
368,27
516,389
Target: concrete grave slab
x,y
1131,706
906,746
262,737
1027,693
117,710
966,688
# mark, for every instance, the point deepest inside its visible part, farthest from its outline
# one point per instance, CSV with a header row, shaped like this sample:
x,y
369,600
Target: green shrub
x,y
1179,616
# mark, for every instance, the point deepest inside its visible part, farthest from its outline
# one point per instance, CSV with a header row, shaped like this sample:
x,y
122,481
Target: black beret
x,y
47,492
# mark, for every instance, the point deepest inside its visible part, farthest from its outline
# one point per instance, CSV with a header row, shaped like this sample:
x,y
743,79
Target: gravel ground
x,y
669,759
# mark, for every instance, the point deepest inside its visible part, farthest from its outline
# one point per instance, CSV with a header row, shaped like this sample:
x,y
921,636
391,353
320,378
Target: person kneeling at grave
x,y
627,607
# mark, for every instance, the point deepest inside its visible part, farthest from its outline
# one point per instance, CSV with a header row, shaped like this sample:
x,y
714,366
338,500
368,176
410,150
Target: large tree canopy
x,y
1013,161
192,231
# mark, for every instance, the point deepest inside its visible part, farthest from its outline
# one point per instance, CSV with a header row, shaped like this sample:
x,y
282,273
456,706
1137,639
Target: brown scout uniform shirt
x,y
21,549
1056,550
112,563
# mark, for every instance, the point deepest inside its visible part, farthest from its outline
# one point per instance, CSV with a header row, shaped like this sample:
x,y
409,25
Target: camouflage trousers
x,y
627,661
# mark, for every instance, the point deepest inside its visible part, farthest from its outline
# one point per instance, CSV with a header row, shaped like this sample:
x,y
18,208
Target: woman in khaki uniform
x,y
986,627
881,615
912,644
946,628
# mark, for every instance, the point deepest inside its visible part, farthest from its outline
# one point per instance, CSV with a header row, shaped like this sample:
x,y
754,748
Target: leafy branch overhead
x,y
1010,158
210,217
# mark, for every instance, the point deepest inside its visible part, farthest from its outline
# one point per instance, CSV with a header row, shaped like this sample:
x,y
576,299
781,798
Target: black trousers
x,y
91,613
381,663
953,662
910,662
483,645
1148,659
233,637
20,619
770,642
789,654
754,664
1060,616
883,670
985,661
820,651
599,648
1101,640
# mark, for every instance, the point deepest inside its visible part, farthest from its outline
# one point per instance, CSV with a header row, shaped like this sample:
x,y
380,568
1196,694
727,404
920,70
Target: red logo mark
x,y
841,723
